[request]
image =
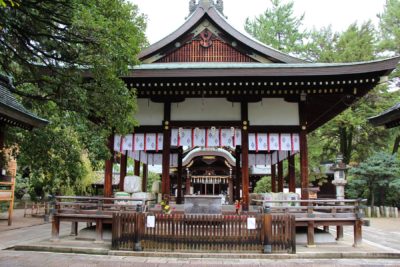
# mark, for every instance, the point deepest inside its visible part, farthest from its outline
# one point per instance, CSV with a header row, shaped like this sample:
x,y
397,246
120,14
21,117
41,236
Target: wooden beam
x,y
109,168
122,171
280,176
273,178
292,174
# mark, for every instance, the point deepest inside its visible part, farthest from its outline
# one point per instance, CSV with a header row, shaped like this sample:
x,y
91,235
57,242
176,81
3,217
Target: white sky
x,y
165,16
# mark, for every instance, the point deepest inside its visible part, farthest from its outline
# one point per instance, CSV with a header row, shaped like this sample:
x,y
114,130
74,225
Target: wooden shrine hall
x,y
208,86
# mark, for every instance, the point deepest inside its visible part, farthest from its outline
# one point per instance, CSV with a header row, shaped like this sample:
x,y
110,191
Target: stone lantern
x,y
339,176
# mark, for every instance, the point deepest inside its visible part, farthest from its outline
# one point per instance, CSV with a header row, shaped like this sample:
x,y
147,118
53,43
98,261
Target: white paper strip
x,y
117,143
251,223
151,221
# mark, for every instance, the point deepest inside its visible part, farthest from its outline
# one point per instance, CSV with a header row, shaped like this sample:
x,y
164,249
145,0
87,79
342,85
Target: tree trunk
x,y
346,142
396,145
372,195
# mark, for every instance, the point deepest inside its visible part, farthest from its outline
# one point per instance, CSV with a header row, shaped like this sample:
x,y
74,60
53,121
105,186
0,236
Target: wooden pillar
x,y
145,174
339,232
179,176
358,232
310,234
122,171
109,168
136,169
165,179
280,176
237,174
303,150
187,185
304,165
230,187
273,178
292,174
245,157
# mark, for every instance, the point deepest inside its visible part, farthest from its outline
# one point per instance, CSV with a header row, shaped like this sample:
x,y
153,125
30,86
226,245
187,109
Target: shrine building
x,y
213,102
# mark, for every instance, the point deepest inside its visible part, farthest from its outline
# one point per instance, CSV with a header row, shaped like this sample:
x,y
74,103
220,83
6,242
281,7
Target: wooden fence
x,y
218,233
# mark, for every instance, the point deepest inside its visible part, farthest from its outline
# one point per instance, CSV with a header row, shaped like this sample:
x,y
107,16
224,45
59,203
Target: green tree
x,y
278,27
46,45
263,185
389,25
376,175
349,133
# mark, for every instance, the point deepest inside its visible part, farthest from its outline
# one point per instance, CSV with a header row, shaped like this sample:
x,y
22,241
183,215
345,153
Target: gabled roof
x,y
206,10
13,112
389,118
219,69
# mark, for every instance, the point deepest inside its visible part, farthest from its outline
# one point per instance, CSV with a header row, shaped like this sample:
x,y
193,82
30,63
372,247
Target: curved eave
x,y
17,118
188,70
199,152
389,118
266,51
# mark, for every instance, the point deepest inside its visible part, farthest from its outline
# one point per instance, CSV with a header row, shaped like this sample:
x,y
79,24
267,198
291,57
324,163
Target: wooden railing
x,y
98,210
321,212
218,233
7,195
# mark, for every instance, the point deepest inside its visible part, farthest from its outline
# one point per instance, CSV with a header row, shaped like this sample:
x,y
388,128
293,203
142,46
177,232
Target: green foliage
x,y
45,45
278,27
151,178
263,185
378,173
390,27
349,133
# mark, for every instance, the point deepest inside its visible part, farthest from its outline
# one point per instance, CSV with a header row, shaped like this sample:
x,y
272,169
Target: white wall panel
x,y
207,109
149,113
273,111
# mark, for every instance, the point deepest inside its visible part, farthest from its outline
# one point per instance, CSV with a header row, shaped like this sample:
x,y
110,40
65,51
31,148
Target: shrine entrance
x,y
208,86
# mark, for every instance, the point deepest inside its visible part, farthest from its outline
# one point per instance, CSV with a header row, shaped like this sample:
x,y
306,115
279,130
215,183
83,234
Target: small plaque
x,y
251,223
151,221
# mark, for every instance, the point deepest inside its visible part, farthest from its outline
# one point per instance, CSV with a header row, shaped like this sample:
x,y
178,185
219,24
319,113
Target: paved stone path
x,y
383,235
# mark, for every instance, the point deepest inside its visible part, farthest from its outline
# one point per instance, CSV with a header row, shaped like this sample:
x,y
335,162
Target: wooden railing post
x,y
358,232
267,225
139,224
358,223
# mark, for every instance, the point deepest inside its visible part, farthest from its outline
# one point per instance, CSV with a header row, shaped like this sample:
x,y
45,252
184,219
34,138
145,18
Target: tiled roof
x,y
12,111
